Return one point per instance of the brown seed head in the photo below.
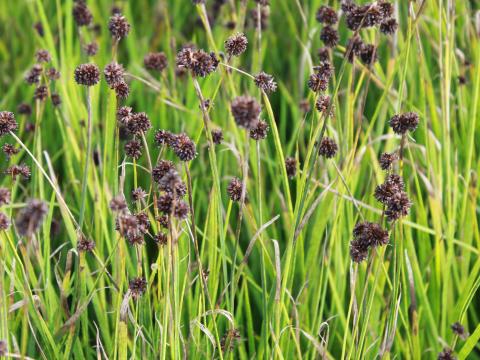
(155, 61)
(81, 14)
(328, 147)
(234, 189)
(329, 36)
(184, 147)
(245, 110)
(87, 74)
(236, 44)
(118, 26)
(259, 132)
(31, 217)
(114, 73)
(7, 122)
(137, 287)
(402, 123)
(43, 56)
(265, 82)
(291, 167)
(133, 149)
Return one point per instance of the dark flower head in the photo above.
(234, 189)
(133, 227)
(87, 74)
(133, 149)
(398, 205)
(265, 82)
(137, 287)
(138, 123)
(358, 252)
(184, 147)
(4, 221)
(56, 99)
(317, 82)
(392, 185)
(155, 61)
(7, 122)
(181, 210)
(172, 183)
(236, 44)
(84, 244)
(217, 136)
(118, 26)
(39, 28)
(328, 147)
(386, 160)
(18, 170)
(291, 167)
(113, 74)
(329, 36)
(43, 56)
(164, 137)
(34, 74)
(118, 203)
(365, 16)
(81, 14)
(163, 220)
(31, 217)
(124, 114)
(122, 90)
(4, 196)
(385, 8)
(368, 54)
(245, 110)
(24, 109)
(91, 49)
(162, 167)
(323, 104)
(198, 62)
(138, 194)
(326, 15)
(402, 123)
(324, 54)
(161, 239)
(53, 74)
(164, 203)
(446, 354)
(229, 340)
(459, 330)
(259, 132)
(366, 235)
(354, 48)
(389, 26)
(40, 93)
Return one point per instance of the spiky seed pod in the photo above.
(386, 160)
(184, 147)
(118, 203)
(259, 132)
(368, 54)
(87, 74)
(84, 244)
(198, 62)
(7, 122)
(118, 26)
(326, 15)
(18, 170)
(39, 28)
(392, 185)
(113, 73)
(156, 61)
(164, 203)
(53, 74)
(24, 109)
(245, 110)
(181, 210)
(138, 194)
(459, 330)
(133, 149)
(31, 217)
(128, 227)
(172, 183)
(323, 54)
(236, 44)
(323, 104)
(137, 287)
(43, 55)
(365, 236)
(398, 205)
(81, 14)
(389, 26)
(385, 8)
(401, 123)
(265, 82)
(124, 114)
(34, 74)
(164, 137)
(446, 354)
(317, 82)
(354, 48)
(234, 189)
(143, 222)
(362, 16)
(291, 167)
(161, 239)
(4, 196)
(40, 93)
(329, 36)
(138, 123)
(217, 136)
(91, 49)
(358, 252)
(229, 340)
(162, 167)
(4, 221)
(163, 220)
(122, 90)
(56, 99)
(328, 147)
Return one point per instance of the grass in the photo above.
(281, 283)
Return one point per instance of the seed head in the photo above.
(184, 147)
(155, 61)
(328, 147)
(118, 26)
(24, 109)
(402, 123)
(181, 210)
(18, 170)
(236, 44)
(34, 74)
(56, 99)
(124, 114)
(392, 185)
(137, 287)
(4, 196)
(323, 104)
(163, 221)
(161, 239)
(164, 137)
(265, 82)
(354, 48)
(81, 14)
(217, 136)
(291, 167)
(317, 82)
(87, 74)
(389, 26)
(113, 74)
(234, 189)
(164, 203)
(366, 235)
(118, 203)
(398, 205)
(31, 217)
(43, 56)
(245, 110)
(39, 28)
(229, 340)
(324, 54)
(387, 159)
(4, 221)
(40, 93)
(84, 244)
(459, 330)
(198, 62)
(358, 253)
(259, 132)
(133, 149)
(138, 194)
(122, 90)
(368, 54)
(91, 49)
(172, 183)
(138, 123)
(446, 354)
(365, 16)
(329, 36)
(162, 167)
(7, 122)
(53, 74)
(327, 15)
(385, 8)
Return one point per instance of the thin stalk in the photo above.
(87, 160)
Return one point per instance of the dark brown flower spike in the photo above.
(84, 244)
(7, 122)
(122, 90)
(40, 93)
(43, 56)
(234, 189)
(56, 99)
(326, 15)
(329, 36)
(402, 123)
(217, 136)
(34, 74)
(118, 203)
(245, 110)
(156, 61)
(5, 196)
(81, 14)
(4, 221)
(236, 44)
(31, 217)
(184, 147)
(389, 26)
(259, 132)
(138, 194)
(53, 74)
(459, 330)
(133, 149)
(328, 148)
(265, 82)
(137, 287)
(164, 137)
(291, 167)
(91, 49)
(162, 167)
(24, 109)
(198, 62)
(18, 170)
(118, 26)
(386, 160)
(114, 73)
(87, 74)
(181, 210)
